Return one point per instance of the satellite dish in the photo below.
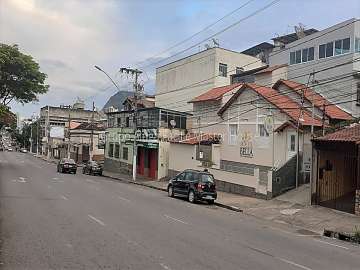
(172, 123)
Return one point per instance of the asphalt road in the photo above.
(60, 221)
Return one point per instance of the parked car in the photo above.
(195, 185)
(23, 150)
(9, 149)
(92, 167)
(67, 165)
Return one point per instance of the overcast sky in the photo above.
(69, 37)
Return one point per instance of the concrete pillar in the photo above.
(357, 203)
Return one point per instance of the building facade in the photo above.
(182, 80)
(155, 127)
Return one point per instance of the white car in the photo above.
(23, 150)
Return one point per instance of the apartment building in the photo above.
(332, 55)
(180, 81)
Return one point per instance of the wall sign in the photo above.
(246, 145)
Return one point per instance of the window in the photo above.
(111, 150)
(222, 70)
(305, 54)
(322, 51)
(357, 44)
(188, 176)
(125, 153)
(358, 94)
(239, 70)
(329, 49)
(298, 57)
(117, 151)
(127, 121)
(262, 131)
(233, 132)
(292, 58)
(311, 54)
(342, 46)
(292, 143)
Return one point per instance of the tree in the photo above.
(20, 77)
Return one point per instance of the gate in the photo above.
(337, 180)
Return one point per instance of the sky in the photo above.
(68, 37)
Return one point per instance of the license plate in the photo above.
(208, 197)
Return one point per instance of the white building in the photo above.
(182, 80)
(333, 54)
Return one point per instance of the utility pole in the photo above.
(92, 132)
(68, 144)
(48, 132)
(300, 118)
(137, 92)
(31, 136)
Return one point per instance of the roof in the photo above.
(90, 126)
(331, 110)
(193, 139)
(348, 134)
(145, 102)
(215, 93)
(286, 39)
(284, 103)
(271, 69)
(255, 50)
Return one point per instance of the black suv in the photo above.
(195, 185)
(92, 167)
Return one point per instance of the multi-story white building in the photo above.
(182, 80)
(333, 55)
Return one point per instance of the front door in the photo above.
(153, 158)
(291, 144)
(177, 183)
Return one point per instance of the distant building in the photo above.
(180, 81)
(57, 118)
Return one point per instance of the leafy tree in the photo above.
(20, 77)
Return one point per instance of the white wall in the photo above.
(181, 81)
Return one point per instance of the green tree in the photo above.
(20, 77)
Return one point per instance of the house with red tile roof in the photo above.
(336, 170)
(322, 106)
(260, 129)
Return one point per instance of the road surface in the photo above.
(60, 221)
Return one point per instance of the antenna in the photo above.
(216, 42)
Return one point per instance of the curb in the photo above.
(347, 237)
(229, 207)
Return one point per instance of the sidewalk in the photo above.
(284, 209)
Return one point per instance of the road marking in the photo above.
(294, 264)
(69, 245)
(97, 220)
(175, 219)
(124, 199)
(330, 244)
(64, 198)
(55, 178)
(22, 180)
(163, 265)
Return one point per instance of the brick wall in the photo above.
(357, 203)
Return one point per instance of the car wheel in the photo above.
(191, 196)
(210, 202)
(170, 191)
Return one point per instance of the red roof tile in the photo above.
(282, 102)
(215, 93)
(349, 134)
(332, 111)
(271, 69)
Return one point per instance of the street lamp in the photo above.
(103, 71)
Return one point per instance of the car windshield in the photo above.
(207, 178)
(69, 161)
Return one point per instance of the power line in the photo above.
(199, 32)
(217, 33)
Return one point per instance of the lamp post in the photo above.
(107, 75)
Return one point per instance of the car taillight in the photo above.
(200, 187)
